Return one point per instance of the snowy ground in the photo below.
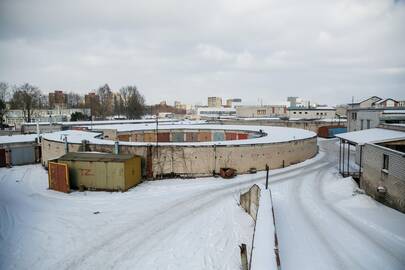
(196, 224)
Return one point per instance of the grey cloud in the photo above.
(323, 50)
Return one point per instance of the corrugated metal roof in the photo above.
(91, 156)
(373, 135)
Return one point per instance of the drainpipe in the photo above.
(37, 131)
(66, 144)
(116, 148)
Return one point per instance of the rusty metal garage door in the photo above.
(58, 177)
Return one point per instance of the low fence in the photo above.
(257, 202)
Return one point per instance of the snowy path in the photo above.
(321, 225)
(196, 224)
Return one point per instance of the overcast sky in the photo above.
(325, 51)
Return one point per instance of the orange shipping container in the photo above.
(204, 136)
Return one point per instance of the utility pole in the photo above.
(267, 176)
(157, 134)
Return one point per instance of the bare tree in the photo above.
(27, 98)
(74, 100)
(4, 88)
(133, 102)
(106, 100)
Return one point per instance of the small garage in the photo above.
(100, 171)
(19, 150)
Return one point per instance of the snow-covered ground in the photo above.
(196, 224)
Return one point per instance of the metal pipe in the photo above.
(66, 144)
(340, 155)
(361, 157)
(348, 159)
(343, 159)
(116, 147)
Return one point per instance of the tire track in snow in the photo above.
(122, 236)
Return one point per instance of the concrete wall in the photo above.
(393, 179)
(203, 160)
(249, 201)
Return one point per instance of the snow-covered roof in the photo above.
(71, 135)
(23, 138)
(394, 111)
(372, 135)
(273, 135)
(106, 122)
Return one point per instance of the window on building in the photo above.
(261, 112)
(386, 161)
(361, 124)
(300, 112)
(354, 116)
(306, 112)
(368, 124)
(317, 113)
(295, 112)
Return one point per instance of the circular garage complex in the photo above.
(189, 150)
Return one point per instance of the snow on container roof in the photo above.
(23, 138)
(371, 135)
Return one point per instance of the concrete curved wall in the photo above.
(199, 160)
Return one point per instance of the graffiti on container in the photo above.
(86, 172)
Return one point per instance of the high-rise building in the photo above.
(215, 102)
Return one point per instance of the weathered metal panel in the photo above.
(178, 136)
(218, 136)
(137, 137)
(149, 137)
(132, 171)
(192, 136)
(323, 132)
(204, 136)
(230, 136)
(58, 177)
(242, 136)
(124, 137)
(2, 157)
(330, 131)
(104, 175)
(23, 155)
(334, 131)
(163, 137)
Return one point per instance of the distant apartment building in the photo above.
(312, 113)
(374, 111)
(297, 102)
(261, 111)
(233, 102)
(90, 99)
(215, 112)
(214, 102)
(16, 117)
(57, 99)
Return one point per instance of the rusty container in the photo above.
(163, 136)
(242, 136)
(192, 136)
(204, 136)
(123, 137)
(101, 171)
(178, 136)
(229, 136)
(149, 137)
(227, 172)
